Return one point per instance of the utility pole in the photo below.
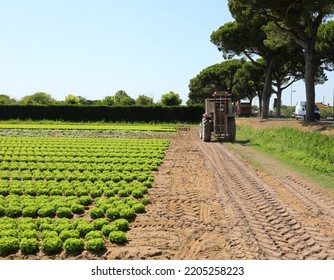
(291, 100)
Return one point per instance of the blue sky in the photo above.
(94, 48)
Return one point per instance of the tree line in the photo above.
(269, 46)
(120, 98)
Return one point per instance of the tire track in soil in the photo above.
(312, 205)
(278, 231)
(207, 203)
(184, 220)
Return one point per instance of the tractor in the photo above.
(218, 119)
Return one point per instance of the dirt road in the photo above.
(209, 203)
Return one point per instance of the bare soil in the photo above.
(210, 203)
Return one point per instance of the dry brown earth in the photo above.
(209, 203)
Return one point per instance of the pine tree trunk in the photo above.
(279, 103)
(310, 72)
(267, 90)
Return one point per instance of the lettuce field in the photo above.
(86, 126)
(72, 194)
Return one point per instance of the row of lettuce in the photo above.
(59, 125)
(72, 194)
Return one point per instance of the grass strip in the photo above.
(308, 152)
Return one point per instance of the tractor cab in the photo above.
(218, 119)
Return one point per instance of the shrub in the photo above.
(117, 237)
(95, 245)
(96, 213)
(29, 245)
(74, 245)
(52, 245)
(9, 245)
(64, 212)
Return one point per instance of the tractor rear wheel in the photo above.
(206, 130)
(231, 129)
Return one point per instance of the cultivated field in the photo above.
(70, 194)
(194, 200)
(209, 202)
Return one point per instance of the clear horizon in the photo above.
(93, 49)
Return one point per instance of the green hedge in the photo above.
(75, 113)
